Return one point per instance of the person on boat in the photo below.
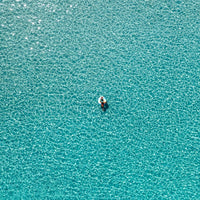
(102, 101)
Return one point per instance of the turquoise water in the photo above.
(58, 57)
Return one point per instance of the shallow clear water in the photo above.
(58, 57)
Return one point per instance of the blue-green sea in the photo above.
(58, 57)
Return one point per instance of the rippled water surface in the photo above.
(58, 57)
